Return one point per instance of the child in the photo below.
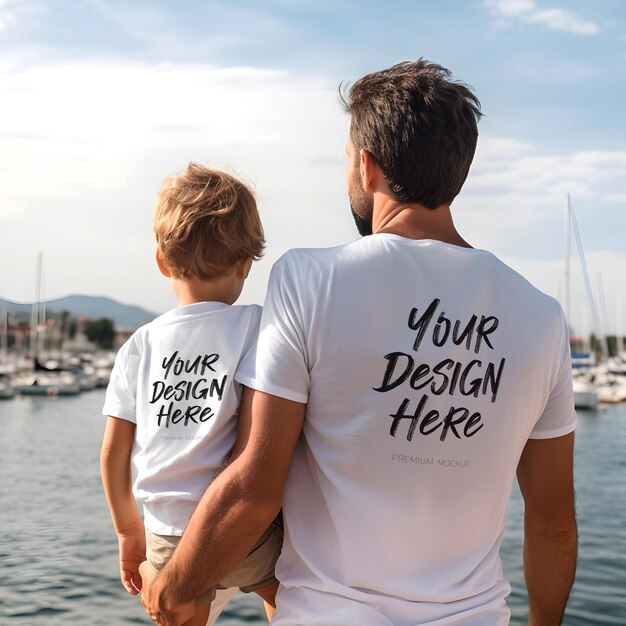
(172, 400)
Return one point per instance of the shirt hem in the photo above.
(114, 410)
(274, 390)
(555, 432)
(154, 525)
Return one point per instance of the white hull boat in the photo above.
(585, 395)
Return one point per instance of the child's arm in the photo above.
(115, 466)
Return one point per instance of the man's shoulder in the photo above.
(318, 257)
(314, 253)
(513, 280)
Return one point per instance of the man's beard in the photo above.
(361, 205)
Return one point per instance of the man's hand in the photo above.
(132, 549)
(158, 605)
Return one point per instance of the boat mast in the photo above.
(583, 264)
(4, 333)
(36, 312)
(619, 326)
(604, 330)
(568, 256)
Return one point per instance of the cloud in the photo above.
(4, 15)
(513, 204)
(517, 177)
(85, 144)
(512, 8)
(527, 11)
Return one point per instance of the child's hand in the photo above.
(132, 545)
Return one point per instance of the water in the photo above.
(58, 554)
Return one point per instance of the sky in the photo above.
(100, 99)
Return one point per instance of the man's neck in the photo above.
(415, 221)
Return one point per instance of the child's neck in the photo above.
(190, 291)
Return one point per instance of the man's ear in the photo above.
(369, 170)
(162, 267)
(243, 268)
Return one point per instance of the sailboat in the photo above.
(44, 381)
(585, 391)
(6, 388)
(610, 375)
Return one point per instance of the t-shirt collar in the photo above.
(197, 308)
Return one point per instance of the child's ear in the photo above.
(162, 268)
(244, 268)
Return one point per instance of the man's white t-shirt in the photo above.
(425, 368)
(175, 379)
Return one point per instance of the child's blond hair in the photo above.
(205, 222)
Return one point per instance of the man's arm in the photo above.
(236, 508)
(545, 476)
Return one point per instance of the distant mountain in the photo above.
(123, 315)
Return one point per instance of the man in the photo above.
(401, 381)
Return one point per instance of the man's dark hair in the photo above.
(419, 126)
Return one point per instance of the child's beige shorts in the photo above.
(254, 572)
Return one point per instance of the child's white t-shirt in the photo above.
(174, 378)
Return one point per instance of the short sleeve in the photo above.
(121, 395)
(246, 367)
(559, 416)
(278, 366)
